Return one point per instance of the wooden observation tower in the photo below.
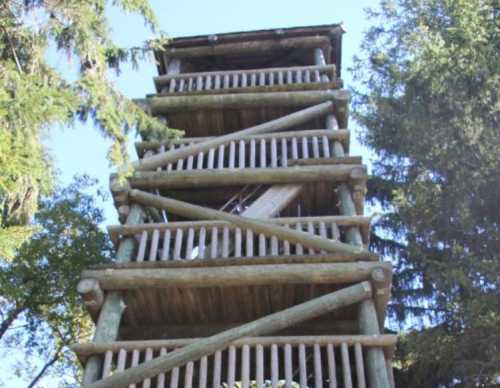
(242, 259)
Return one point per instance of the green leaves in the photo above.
(428, 100)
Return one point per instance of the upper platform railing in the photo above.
(282, 78)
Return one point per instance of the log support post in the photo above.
(92, 295)
(108, 323)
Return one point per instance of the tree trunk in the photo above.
(49, 363)
(11, 317)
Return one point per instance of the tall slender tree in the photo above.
(427, 97)
(35, 96)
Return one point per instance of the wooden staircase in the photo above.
(252, 225)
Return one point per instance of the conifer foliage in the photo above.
(35, 96)
(427, 97)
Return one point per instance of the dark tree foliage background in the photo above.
(427, 98)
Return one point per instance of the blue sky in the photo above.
(81, 149)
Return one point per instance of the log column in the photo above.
(108, 323)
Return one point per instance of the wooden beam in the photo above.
(382, 340)
(245, 176)
(268, 324)
(108, 323)
(252, 47)
(243, 275)
(284, 122)
(159, 105)
(259, 226)
(92, 295)
(327, 161)
(274, 200)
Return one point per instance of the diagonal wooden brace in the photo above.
(259, 226)
(265, 325)
(287, 121)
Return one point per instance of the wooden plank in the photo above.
(302, 366)
(332, 373)
(274, 366)
(346, 366)
(318, 373)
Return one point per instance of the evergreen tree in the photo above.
(427, 97)
(34, 96)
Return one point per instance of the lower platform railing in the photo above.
(299, 361)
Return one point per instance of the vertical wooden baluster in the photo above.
(288, 366)
(165, 253)
(225, 241)
(241, 152)
(244, 80)
(295, 149)
(284, 153)
(235, 80)
(315, 147)
(259, 368)
(190, 84)
(335, 231)
(271, 78)
(141, 252)
(310, 230)
(274, 153)
(317, 76)
(305, 148)
(302, 366)
(107, 364)
(289, 77)
(213, 243)
(153, 251)
(280, 78)
(323, 233)
(332, 374)
(208, 82)
(307, 77)
(170, 166)
(190, 161)
(180, 163)
(262, 153)
(172, 85)
(274, 246)
(249, 243)
(231, 368)
(199, 161)
(182, 84)
(226, 81)
(217, 81)
(161, 377)
(148, 357)
(245, 366)
(211, 157)
(217, 369)
(220, 161)
(252, 153)
(299, 250)
(253, 79)
(262, 245)
(122, 360)
(262, 78)
(360, 368)
(298, 76)
(318, 373)
(135, 361)
(202, 381)
(201, 242)
(199, 83)
(326, 147)
(274, 366)
(174, 378)
(189, 244)
(237, 243)
(188, 375)
(232, 154)
(346, 366)
(178, 244)
(160, 151)
(286, 244)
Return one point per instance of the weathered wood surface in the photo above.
(270, 126)
(193, 211)
(92, 295)
(265, 325)
(265, 274)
